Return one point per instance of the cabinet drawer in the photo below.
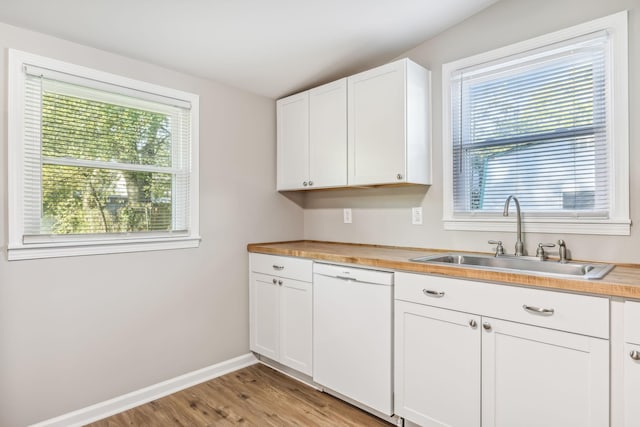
(282, 266)
(454, 294)
(632, 322)
(582, 314)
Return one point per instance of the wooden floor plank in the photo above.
(253, 396)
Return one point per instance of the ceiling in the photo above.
(269, 47)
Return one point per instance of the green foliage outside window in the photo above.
(98, 198)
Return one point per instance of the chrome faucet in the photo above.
(519, 244)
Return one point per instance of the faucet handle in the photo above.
(499, 247)
(540, 252)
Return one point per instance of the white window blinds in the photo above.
(533, 125)
(101, 159)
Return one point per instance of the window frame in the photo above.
(618, 222)
(94, 244)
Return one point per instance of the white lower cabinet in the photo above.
(454, 368)
(437, 385)
(265, 316)
(632, 385)
(533, 376)
(281, 310)
(631, 364)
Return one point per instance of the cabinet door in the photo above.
(295, 324)
(376, 131)
(264, 315)
(631, 386)
(437, 366)
(328, 135)
(532, 376)
(293, 141)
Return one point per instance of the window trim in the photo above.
(619, 222)
(77, 245)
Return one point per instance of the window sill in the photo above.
(80, 248)
(609, 227)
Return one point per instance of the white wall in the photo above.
(77, 331)
(383, 216)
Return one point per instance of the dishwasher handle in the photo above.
(353, 274)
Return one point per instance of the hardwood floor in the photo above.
(253, 396)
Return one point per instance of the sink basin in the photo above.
(529, 265)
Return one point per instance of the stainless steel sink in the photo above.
(529, 265)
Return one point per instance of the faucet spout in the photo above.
(519, 244)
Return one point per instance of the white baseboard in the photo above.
(130, 400)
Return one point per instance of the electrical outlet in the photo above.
(416, 216)
(346, 213)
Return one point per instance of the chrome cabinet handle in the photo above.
(539, 310)
(473, 323)
(310, 183)
(275, 281)
(278, 267)
(399, 176)
(280, 282)
(635, 355)
(304, 184)
(429, 292)
(486, 326)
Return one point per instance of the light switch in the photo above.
(416, 215)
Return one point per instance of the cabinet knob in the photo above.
(304, 184)
(399, 176)
(280, 282)
(275, 281)
(310, 183)
(473, 323)
(635, 355)
(486, 326)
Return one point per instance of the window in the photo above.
(545, 120)
(98, 163)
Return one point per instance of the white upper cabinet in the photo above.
(312, 138)
(369, 129)
(293, 141)
(388, 131)
(328, 135)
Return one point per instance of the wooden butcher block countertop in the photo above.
(622, 281)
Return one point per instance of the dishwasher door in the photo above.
(352, 338)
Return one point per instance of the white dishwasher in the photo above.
(352, 341)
